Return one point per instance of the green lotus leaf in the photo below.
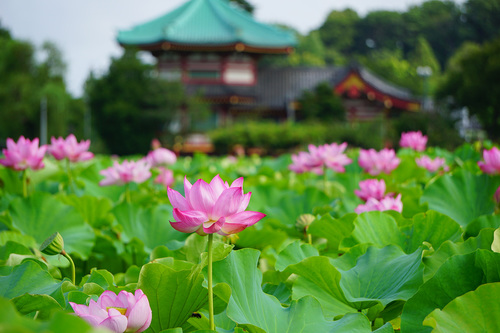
(482, 222)
(150, 225)
(41, 215)
(457, 276)
(431, 227)
(95, 211)
(377, 228)
(317, 277)
(294, 253)
(28, 280)
(462, 196)
(467, 313)
(382, 276)
(334, 230)
(256, 311)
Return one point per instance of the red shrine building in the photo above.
(214, 47)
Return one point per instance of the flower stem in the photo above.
(71, 183)
(210, 290)
(127, 193)
(72, 265)
(25, 183)
(309, 238)
(325, 180)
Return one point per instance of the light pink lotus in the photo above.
(70, 148)
(165, 178)
(413, 140)
(334, 157)
(328, 155)
(126, 172)
(374, 162)
(432, 165)
(125, 312)
(491, 164)
(387, 203)
(212, 208)
(371, 188)
(301, 163)
(161, 157)
(23, 154)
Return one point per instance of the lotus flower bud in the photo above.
(304, 221)
(53, 245)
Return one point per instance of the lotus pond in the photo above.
(316, 248)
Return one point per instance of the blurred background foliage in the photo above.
(130, 104)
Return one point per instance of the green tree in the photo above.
(130, 106)
(339, 30)
(483, 18)
(471, 79)
(23, 85)
(321, 104)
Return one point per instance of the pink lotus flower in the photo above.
(212, 208)
(387, 203)
(165, 178)
(334, 157)
(128, 171)
(69, 148)
(430, 164)
(301, 164)
(161, 157)
(329, 155)
(374, 162)
(491, 164)
(371, 188)
(413, 140)
(119, 313)
(23, 154)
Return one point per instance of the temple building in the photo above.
(214, 47)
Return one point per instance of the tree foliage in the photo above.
(321, 104)
(25, 81)
(472, 81)
(129, 105)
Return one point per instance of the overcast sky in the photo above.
(85, 31)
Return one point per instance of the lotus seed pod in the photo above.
(304, 221)
(53, 245)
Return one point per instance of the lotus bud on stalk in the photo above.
(302, 224)
(54, 245)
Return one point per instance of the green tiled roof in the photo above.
(207, 23)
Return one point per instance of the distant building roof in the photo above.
(208, 23)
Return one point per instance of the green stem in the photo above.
(71, 183)
(309, 238)
(25, 183)
(127, 193)
(325, 179)
(72, 266)
(210, 290)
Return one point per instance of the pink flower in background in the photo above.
(491, 164)
(387, 203)
(334, 157)
(300, 164)
(119, 313)
(70, 148)
(413, 140)
(329, 155)
(374, 162)
(212, 208)
(128, 171)
(165, 178)
(161, 157)
(432, 165)
(23, 154)
(371, 188)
